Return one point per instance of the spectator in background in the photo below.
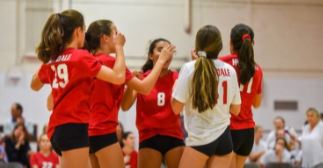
(321, 116)
(45, 157)
(259, 146)
(129, 152)
(3, 156)
(17, 145)
(16, 118)
(312, 139)
(281, 130)
(280, 153)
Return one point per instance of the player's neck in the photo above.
(45, 152)
(73, 44)
(164, 72)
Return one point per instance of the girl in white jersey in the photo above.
(208, 91)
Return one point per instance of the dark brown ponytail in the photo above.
(242, 40)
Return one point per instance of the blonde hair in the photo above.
(314, 111)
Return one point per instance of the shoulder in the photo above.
(221, 64)
(174, 74)
(188, 66)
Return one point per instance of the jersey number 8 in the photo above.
(161, 99)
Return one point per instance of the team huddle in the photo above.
(214, 94)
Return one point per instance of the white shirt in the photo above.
(270, 157)
(312, 145)
(205, 127)
(261, 147)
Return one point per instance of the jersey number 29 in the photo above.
(61, 76)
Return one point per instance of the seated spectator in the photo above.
(129, 152)
(3, 155)
(279, 154)
(312, 139)
(45, 157)
(16, 118)
(281, 130)
(17, 146)
(259, 146)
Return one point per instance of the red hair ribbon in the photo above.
(246, 36)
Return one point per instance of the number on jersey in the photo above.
(161, 99)
(249, 85)
(61, 76)
(47, 165)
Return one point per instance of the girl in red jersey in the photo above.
(160, 133)
(70, 71)
(45, 157)
(250, 81)
(207, 91)
(130, 155)
(106, 97)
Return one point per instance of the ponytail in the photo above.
(242, 41)
(57, 32)
(204, 84)
(246, 60)
(51, 40)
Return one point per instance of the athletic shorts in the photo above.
(102, 141)
(70, 136)
(243, 141)
(161, 143)
(220, 146)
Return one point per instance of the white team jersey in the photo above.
(205, 127)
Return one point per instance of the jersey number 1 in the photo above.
(61, 76)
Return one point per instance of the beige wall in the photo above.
(288, 32)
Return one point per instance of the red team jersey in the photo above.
(70, 77)
(105, 101)
(248, 91)
(154, 113)
(41, 161)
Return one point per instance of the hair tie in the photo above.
(246, 36)
(202, 54)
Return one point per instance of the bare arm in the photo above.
(235, 109)
(50, 102)
(257, 101)
(116, 75)
(146, 85)
(36, 84)
(177, 106)
(128, 99)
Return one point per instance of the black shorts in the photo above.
(70, 136)
(243, 141)
(102, 141)
(220, 146)
(161, 143)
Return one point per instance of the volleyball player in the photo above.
(106, 97)
(160, 134)
(250, 80)
(208, 91)
(70, 71)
